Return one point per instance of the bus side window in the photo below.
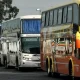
(69, 46)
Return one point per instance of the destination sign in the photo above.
(31, 39)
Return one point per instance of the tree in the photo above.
(13, 11)
(7, 11)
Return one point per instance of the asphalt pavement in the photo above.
(26, 74)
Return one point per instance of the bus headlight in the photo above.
(25, 58)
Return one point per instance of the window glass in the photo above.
(75, 14)
(59, 16)
(31, 26)
(69, 46)
(69, 17)
(30, 45)
(64, 14)
(51, 18)
(47, 18)
(55, 16)
(61, 40)
(43, 19)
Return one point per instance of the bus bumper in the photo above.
(30, 64)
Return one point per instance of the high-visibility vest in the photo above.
(78, 40)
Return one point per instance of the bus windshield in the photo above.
(30, 45)
(31, 26)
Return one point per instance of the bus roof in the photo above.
(25, 17)
(30, 16)
(76, 2)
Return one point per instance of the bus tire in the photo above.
(19, 68)
(54, 74)
(71, 77)
(48, 68)
(5, 64)
(17, 64)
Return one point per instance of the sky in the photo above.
(28, 7)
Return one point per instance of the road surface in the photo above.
(12, 74)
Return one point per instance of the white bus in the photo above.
(22, 40)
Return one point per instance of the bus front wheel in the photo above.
(48, 68)
(71, 77)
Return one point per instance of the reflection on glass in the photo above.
(31, 45)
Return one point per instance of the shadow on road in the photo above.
(62, 77)
(13, 69)
(31, 70)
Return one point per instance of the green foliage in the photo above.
(7, 11)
